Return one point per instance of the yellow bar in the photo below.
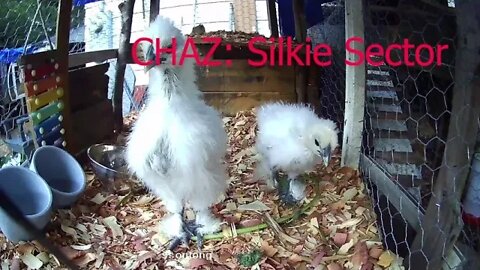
(43, 99)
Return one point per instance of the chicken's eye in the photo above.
(316, 143)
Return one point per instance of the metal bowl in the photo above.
(108, 161)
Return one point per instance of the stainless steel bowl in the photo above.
(108, 162)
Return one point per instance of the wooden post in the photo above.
(301, 80)
(63, 42)
(272, 18)
(154, 9)
(442, 223)
(126, 9)
(354, 88)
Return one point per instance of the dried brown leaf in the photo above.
(360, 254)
(250, 222)
(386, 259)
(85, 259)
(340, 238)
(195, 263)
(318, 258)
(334, 266)
(268, 250)
(375, 252)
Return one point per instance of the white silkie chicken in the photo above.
(178, 144)
(293, 139)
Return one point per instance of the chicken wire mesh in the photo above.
(27, 27)
(407, 116)
(407, 121)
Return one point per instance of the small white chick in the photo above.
(293, 139)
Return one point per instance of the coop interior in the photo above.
(401, 190)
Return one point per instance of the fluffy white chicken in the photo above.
(293, 139)
(178, 144)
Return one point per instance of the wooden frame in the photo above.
(354, 88)
(63, 38)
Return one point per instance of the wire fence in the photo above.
(407, 121)
(406, 126)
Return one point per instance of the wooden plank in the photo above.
(154, 9)
(375, 173)
(83, 133)
(63, 37)
(88, 86)
(272, 17)
(126, 11)
(401, 169)
(43, 99)
(382, 95)
(301, 80)
(355, 88)
(443, 223)
(388, 83)
(385, 108)
(415, 158)
(384, 88)
(397, 145)
(389, 124)
(245, 79)
(241, 68)
(378, 72)
(231, 103)
(83, 58)
(386, 115)
(37, 58)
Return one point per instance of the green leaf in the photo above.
(250, 259)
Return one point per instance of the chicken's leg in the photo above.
(294, 192)
(174, 226)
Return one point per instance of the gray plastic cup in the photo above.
(62, 172)
(32, 196)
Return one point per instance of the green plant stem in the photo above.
(282, 220)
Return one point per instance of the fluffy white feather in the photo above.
(286, 141)
(178, 144)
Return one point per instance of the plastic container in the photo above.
(31, 194)
(62, 172)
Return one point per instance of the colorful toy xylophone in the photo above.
(44, 95)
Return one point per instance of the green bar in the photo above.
(45, 112)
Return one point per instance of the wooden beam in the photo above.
(272, 18)
(63, 38)
(443, 223)
(354, 88)
(83, 58)
(126, 9)
(301, 80)
(154, 9)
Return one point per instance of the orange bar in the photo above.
(37, 87)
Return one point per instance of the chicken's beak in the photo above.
(327, 153)
(150, 56)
